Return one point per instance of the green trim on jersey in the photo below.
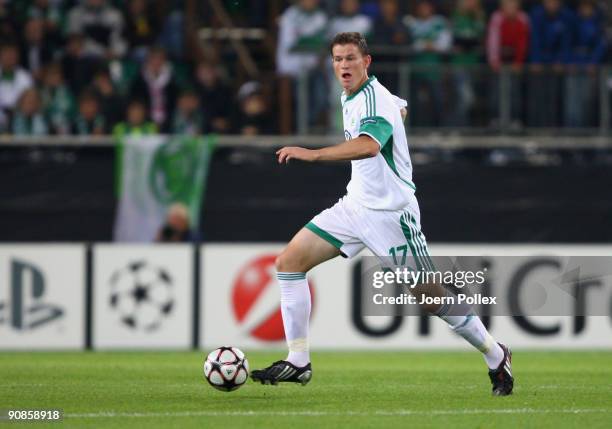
(361, 88)
(408, 234)
(378, 128)
(420, 241)
(324, 235)
(370, 97)
(416, 243)
(387, 153)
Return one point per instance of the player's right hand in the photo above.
(294, 152)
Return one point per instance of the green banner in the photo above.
(153, 173)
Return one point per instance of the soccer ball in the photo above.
(226, 368)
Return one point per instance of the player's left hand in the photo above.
(293, 152)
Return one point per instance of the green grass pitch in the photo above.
(348, 389)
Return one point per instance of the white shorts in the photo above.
(390, 234)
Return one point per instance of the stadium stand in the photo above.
(467, 64)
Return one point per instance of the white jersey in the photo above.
(383, 182)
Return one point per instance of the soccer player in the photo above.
(379, 211)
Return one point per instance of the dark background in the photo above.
(67, 194)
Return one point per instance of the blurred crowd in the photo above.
(98, 67)
(551, 50)
(95, 67)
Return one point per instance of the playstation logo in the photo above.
(25, 308)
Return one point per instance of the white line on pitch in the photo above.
(112, 414)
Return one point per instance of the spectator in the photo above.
(508, 36)
(35, 51)
(141, 27)
(551, 25)
(78, 67)
(389, 31)
(587, 53)
(349, 19)
(253, 116)
(431, 35)
(172, 37)
(468, 26)
(177, 227)
(188, 119)
(28, 119)
(89, 121)
(57, 100)
(301, 37)
(110, 100)
(507, 43)
(156, 85)
(136, 122)
(551, 32)
(50, 12)
(13, 81)
(431, 40)
(371, 8)
(211, 88)
(102, 27)
(301, 40)
(388, 28)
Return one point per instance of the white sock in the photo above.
(471, 328)
(464, 322)
(295, 307)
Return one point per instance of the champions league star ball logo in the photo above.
(142, 295)
(256, 300)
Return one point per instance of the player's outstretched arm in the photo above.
(359, 148)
